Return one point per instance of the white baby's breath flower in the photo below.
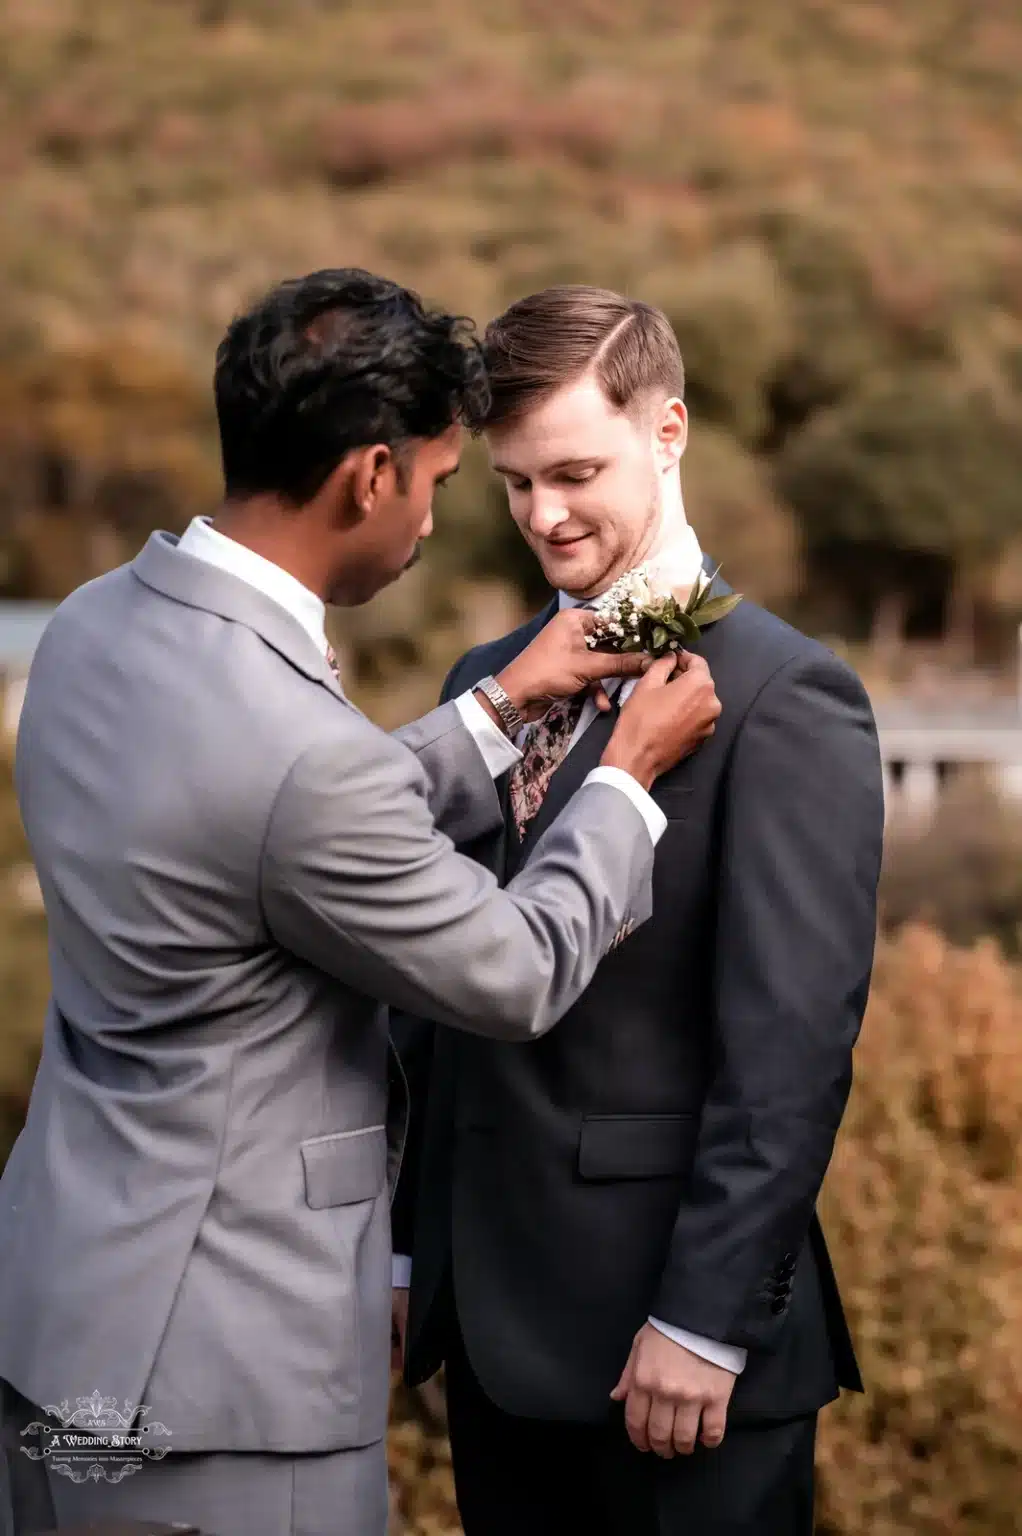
(640, 608)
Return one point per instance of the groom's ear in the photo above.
(671, 431)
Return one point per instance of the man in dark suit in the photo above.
(611, 1232)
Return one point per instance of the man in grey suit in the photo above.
(240, 871)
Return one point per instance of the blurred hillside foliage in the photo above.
(825, 197)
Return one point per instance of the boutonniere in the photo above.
(636, 615)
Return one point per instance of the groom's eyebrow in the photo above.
(551, 469)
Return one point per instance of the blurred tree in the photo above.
(841, 333)
(914, 479)
(730, 314)
(740, 521)
(100, 445)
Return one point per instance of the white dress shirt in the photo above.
(204, 542)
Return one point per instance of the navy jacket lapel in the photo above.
(505, 852)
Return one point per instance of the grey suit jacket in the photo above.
(239, 872)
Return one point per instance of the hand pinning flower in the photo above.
(634, 615)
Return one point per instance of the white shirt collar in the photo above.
(204, 542)
(678, 564)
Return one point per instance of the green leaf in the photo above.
(699, 590)
(659, 637)
(690, 629)
(716, 609)
(633, 643)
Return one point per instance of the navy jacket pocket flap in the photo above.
(345, 1167)
(636, 1146)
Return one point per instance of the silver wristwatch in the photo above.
(510, 719)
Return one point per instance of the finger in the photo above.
(600, 696)
(686, 1427)
(620, 663)
(690, 661)
(714, 1424)
(637, 1418)
(623, 1387)
(659, 673)
(660, 1428)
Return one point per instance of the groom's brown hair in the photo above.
(557, 336)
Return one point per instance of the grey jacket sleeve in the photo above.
(460, 790)
(357, 880)
(796, 920)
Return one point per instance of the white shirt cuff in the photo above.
(499, 754)
(730, 1357)
(646, 806)
(401, 1271)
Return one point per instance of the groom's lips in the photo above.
(568, 543)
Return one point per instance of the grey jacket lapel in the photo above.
(161, 566)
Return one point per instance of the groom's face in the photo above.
(583, 485)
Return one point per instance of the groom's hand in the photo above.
(558, 664)
(671, 1396)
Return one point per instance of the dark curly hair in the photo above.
(335, 361)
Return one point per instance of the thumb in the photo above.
(660, 672)
(624, 1385)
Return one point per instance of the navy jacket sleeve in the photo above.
(796, 919)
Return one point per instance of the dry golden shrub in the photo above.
(924, 1213)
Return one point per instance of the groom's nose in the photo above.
(546, 513)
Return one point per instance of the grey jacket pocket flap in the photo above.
(636, 1146)
(345, 1167)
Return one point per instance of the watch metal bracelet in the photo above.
(509, 716)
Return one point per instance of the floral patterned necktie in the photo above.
(543, 750)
